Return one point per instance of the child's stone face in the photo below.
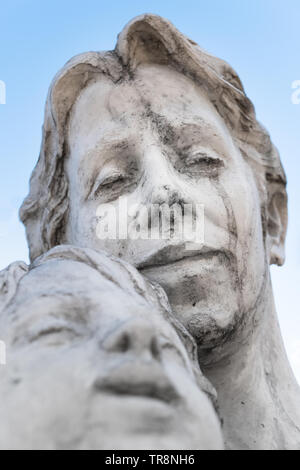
(93, 365)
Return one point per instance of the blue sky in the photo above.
(259, 38)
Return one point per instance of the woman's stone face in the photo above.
(153, 141)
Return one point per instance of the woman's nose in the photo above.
(162, 183)
(136, 337)
(166, 194)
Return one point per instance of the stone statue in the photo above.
(155, 123)
(98, 362)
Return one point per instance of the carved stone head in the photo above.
(160, 121)
(96, 361)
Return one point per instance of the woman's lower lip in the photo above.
(169, 263)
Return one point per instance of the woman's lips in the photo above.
(174, 253)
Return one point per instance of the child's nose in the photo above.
(137, 337)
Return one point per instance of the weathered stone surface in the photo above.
(158, 121)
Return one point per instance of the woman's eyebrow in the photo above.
(108, 148)
(205, 129)
(203, 133)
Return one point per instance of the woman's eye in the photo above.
(204, 159)
(111, 183)
(111, 179)
(107, 182)
(202, 163)
(201, 157)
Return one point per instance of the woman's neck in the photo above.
(259, 398)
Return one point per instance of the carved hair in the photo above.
(146, 39)
(9, 280)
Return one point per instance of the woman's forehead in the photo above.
(102, 105)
